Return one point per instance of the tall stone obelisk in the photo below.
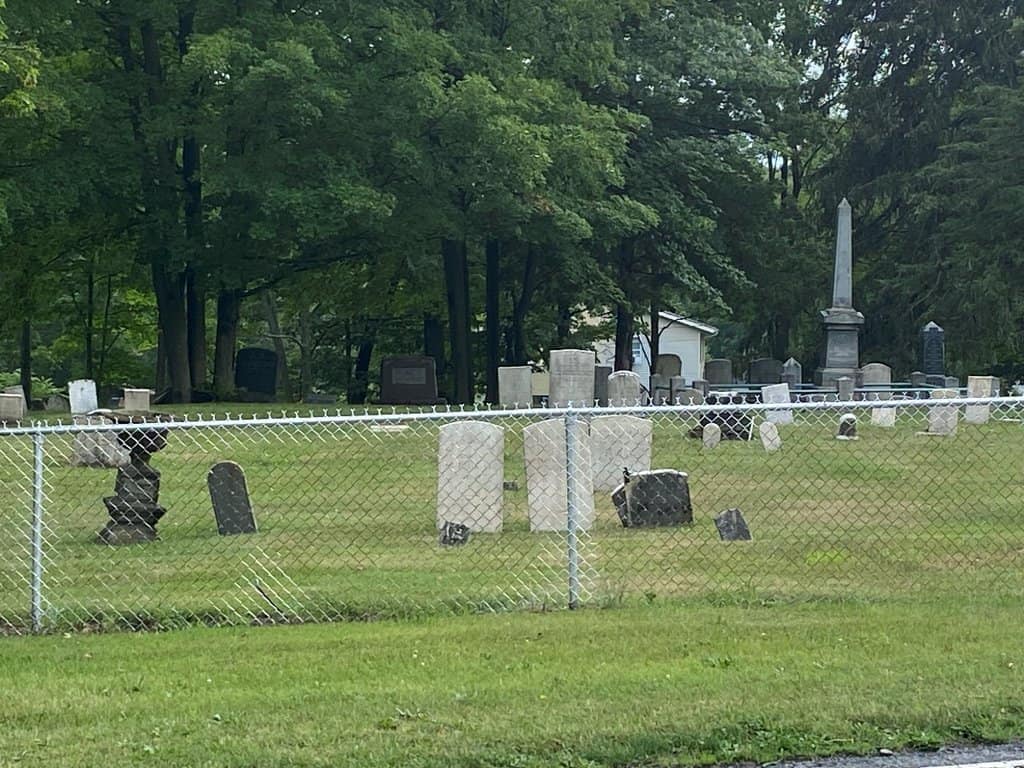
(842, 321)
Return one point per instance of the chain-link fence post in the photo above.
(37, 532)
(573, 493)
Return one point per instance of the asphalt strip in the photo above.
(990, 756)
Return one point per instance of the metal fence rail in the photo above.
(362, 516)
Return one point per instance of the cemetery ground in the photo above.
(877, 607)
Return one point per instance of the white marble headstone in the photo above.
(546, 484)
(470, 475)
(136, 400)
(617, 443)
(624, 389)
(980, 386)
(942, 420)
(775, 394)
(82, 394)
(770, 438)
(572, 378)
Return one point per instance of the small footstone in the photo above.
(732, 527)
(712, 435)
(770, 438)
(454, 534)
(847, 427)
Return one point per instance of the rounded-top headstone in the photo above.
(624, 388)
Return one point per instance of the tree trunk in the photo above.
(26, 361)
(522, 307)
(196, 308)
(229, 304)
(161, 364)
(493, 289)
(433, 346)
(90, 320)
(361, 377)
(274, 326)
(173, 320)
(780, 337)
(655, 333)
(305, 352)
(456, 277)
(623, 338)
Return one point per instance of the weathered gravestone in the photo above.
(82, 393)
(682, 395)
(918, 379)
(515, 386)
(408, 380)
(470, 475)
(229, 495)
(942, 419)
(847, 427)
(657, 498)
(19, 393)
(544, 448)
(980, 386)
(951, 382)
(601, 374)
(11, 408)
(883, 417)
(844, 386)
(933, 350)
(617, 443)
(97, 448)
(624, 389)
(669, 366)
(572, 378)
(136, 400)
(718, 371)
(540, 384)
(58, 402)
(732, 527)
(875, 374)
(256, 373)
(765, 370)
(711, 435)
(661, 389)
(734, 422)
(792, 373)
(770, 438)
(777, 394)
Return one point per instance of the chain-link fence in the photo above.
(326, 518)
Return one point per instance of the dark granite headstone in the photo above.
(732, 527)
(735, 424)
(601, 374)
(408, 380)
(765, 370)
(256, 371)
(933, 350)
(654, 498)
(935, 380)
(454, 534)
(230, 497)
(718, 371)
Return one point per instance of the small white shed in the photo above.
(680, 337)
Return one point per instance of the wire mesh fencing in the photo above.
(287, 520)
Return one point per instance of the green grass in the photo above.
(664, 685)
(347, 527)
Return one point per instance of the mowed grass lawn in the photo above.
(684, 683)
(347, 517)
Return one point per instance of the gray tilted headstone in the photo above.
(718, 371)
(844, 385)
(624, 389)
(942, 419)
(918, 379)
(99, 448)
(546, 483)
(470, 475)
(82, 394)
(792, 373)
(876, 374)
(515, 386)
(230, 496)
(657, 498)
(572, 378)
(933, 350)
(617, 443)
(777, 394)
(732, 527)
(11, 408)
(980, 386)
(765, 370)
(847, 427)
(601, 374)
(770, 438)
(711, 435)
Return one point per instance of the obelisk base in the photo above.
(842, 346)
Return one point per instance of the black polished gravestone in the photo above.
(408, 380)
(654, 498)
(732, 527)
(933, 350)
(256, 373)
(229, 495)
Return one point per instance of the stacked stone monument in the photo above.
(842, 322)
